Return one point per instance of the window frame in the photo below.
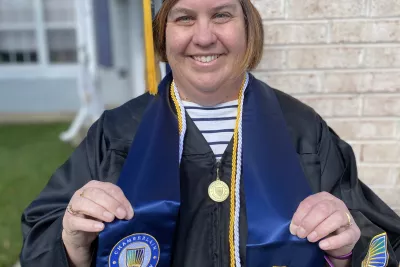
(43, 67)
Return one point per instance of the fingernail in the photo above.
(108, 215)
(98, 226)
(129, 214)
(312, 237)
(324, 244)
(301, 232)
(121, 213)
(293, 228)
(132, 212)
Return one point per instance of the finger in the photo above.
(318, 213)
(334, 222)
(101, 198)
(73, 224)
(90, 208)
(116, 193)
(305, 206)
(346, 238)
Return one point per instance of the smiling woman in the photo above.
(210, 45)
(216, 168)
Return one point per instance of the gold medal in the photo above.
(218, 191)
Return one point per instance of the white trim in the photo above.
(91, 104)
(90, 38)
(17, 27)
(43, 56)
(38, 71)
(60, 25)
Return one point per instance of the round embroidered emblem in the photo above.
(137, 250)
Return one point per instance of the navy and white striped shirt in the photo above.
(216, 123)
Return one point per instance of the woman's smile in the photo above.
(206, 61)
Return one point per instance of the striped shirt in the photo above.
(216, 123)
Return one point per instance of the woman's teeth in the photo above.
(206, 59)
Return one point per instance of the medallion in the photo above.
(218, 191)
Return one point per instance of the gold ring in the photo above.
(71, 210)
(350, 223)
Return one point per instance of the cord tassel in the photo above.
(151, 72)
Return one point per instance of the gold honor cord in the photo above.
(233, 180)
(178, 108)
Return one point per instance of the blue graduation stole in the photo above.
(274, 185)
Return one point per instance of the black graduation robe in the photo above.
(202, 237)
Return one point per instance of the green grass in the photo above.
(29, 154)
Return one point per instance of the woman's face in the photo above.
(205, 41)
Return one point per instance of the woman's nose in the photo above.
(204, 34)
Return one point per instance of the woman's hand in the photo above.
(89, 207)
(325, 219)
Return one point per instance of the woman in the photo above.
(217, 169)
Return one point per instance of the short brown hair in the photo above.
(253, 25)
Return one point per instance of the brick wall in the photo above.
(343, 58)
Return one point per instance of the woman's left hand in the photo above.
(325, 219)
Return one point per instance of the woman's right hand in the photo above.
(91, 206)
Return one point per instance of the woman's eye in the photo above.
(184, 19)
(222, 17)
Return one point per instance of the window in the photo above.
(62, 45)
(16, 11)
(60, 30)
(18, 47)
(37, 31)
(18, 43)
(59, 11)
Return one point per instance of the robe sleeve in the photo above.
(339, 177)
(42, 219)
